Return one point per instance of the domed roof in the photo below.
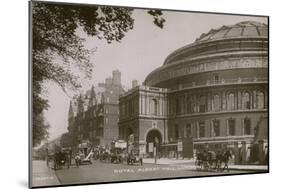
(241, 29)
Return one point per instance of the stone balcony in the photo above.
(221, 82)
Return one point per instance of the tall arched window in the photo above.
(216, 127)
(260, 100)
(247, 126)
(216, 78)
(178, 106)
(201, 129)
(246, 100)
(216, 103)
(230, 101)
(202, 104)
(154, 107)
(231, 127)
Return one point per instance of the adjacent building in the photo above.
(93, 117)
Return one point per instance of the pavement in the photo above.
(43, 175)
(190, 163)
(100, 172)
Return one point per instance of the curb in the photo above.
(231, 168)
(251, 169)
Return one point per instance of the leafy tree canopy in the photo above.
(54, 35)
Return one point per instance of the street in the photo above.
(108, 172)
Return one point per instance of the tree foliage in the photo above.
(57, 47)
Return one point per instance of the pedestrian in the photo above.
(77, 159)
(68, 159)
(227, 155)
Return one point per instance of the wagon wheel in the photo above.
(120, 159)
(209, 165)
(205, 165)
(198, 165)
(216, 166)
(54, 163)
(212, 165)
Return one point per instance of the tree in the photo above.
(56, 47)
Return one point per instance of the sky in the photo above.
(142, 50)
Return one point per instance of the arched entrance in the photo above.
(153, 136)
(129, 131)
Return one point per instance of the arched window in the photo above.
(216, 78)
(246, 100)
(260, 100)
(216, 127)
(231, 127)
(216, 103)
(247, 126)
(202, 104)
(230, 101)
(187, 130)
(201, 129)
(154, 107)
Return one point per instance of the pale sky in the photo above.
(142, 50)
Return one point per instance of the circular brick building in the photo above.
(217, 90)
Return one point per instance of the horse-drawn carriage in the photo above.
(133, 155)
(134, 158)
(60, 159)
(212, 161)
(118, 151)
(104, 156)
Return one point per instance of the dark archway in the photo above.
(153, 136)
(129, 131)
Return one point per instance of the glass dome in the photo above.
(241, 29)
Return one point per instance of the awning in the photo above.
(83, 145)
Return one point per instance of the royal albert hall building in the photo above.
(213, 91)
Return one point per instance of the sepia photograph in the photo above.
(122, 94)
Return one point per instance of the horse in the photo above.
(212, 159)
(205, 159)
(224, 158)
(200, 159)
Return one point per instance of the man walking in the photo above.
(77, 159)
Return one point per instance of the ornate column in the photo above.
(209, 97)
(261, 151)
(239, 100)
(147, 100)
(211, 134)
(197, 129)
(236, 153)
(140, 104)
(265, 99)
(166, 139)
(254, 99)
(244, 152)
(196, 103)
(223, 101)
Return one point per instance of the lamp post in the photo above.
(155, 149)
(47, 153)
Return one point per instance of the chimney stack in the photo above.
(134, 83)
(116, 77)
(108, 82)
